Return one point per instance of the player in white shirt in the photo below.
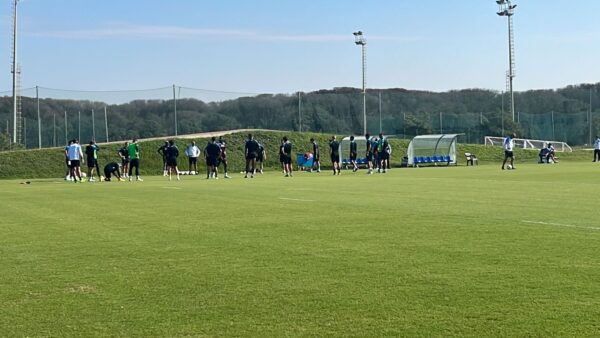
(76, 159)
(192, 152)
(509, 145)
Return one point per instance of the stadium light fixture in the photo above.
(507, 9)
(360, 40)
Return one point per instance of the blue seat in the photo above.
(428, 159)
(447, 159)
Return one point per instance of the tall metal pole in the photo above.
(590, 119)
(93, 127)
(441, 124)
(54, 130)
(79, 125)
(508, 9)
(299, 111)
(37, 96)
(360, 40)
(502, 114)
(66, 130)
(175, 109)
(106, 124)
(380, 126)
(14, 71)
(25, 132)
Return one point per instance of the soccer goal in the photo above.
(432, 150)
(528, 144)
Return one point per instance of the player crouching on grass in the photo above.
(112, 169)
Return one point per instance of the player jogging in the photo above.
(334, 151)
(171, 153)
(251, 153)
(509, 145)
(134, 154)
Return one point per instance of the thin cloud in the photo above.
(175, 32)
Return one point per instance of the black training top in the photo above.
(172, 152)
(353, 147)
(124, 152)
(213, 150)
(315, 149)
(335, 146)
(163, 150)
(287, 148)
(251, 146)
(111, 167)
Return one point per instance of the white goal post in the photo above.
(528, 144)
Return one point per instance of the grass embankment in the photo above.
(47, 163)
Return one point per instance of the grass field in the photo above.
(460, 251)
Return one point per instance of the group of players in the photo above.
(215, 153)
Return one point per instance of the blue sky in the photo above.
(285, 46)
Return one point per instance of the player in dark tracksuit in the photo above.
(286, 155)
(212, 152)
(369, 153)
(171, 155)
(334, 149)
(162, 150)
(111, 169)
(316, 155)
(353, 153)
(251, 153)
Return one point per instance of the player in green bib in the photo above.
(134, 154)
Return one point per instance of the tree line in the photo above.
(544, 114)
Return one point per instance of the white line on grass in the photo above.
(176, 188)
(562, 225)
(295, 199)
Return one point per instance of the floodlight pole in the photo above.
(14, 71)
(37, 96)
(360, 40)
(508, 9)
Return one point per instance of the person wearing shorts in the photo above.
(68, 176)
(134, 154)
(261, 157)
(286, 152)
(251, 153)
(509, 145)
(111, 169)
(192, 152)
(171, 154)
(124, 155)
(334, 151)
(353, 153)
(75, 159)
(383, 149)
(162, 150)
(223, 156)
(91, 152)
(212, 151)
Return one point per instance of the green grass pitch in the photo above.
(459, 251)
